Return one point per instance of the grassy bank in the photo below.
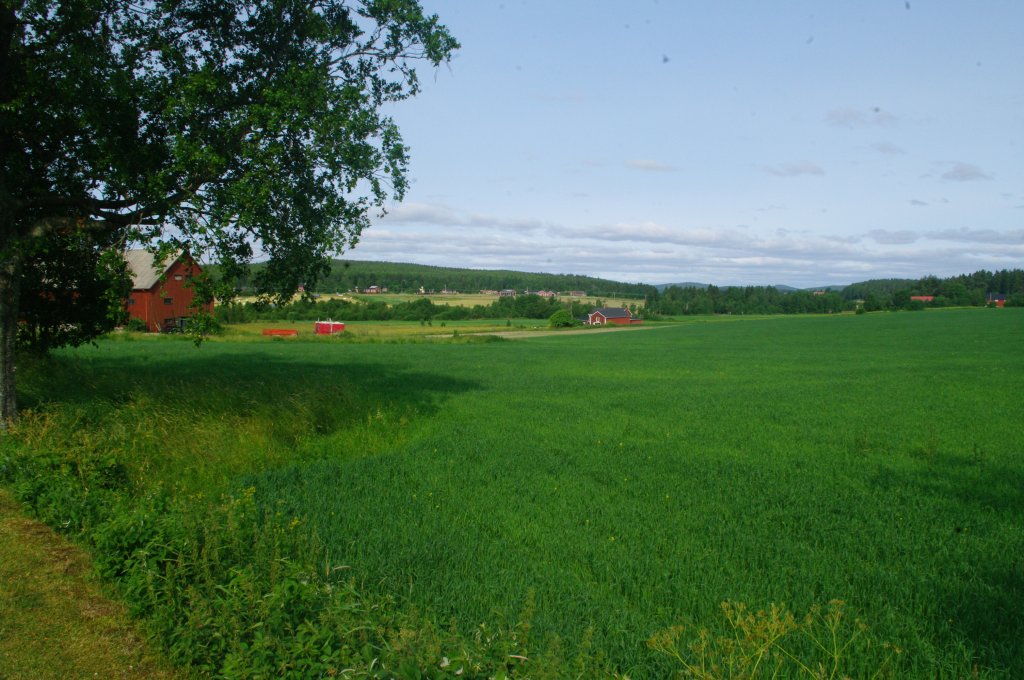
(54, 620)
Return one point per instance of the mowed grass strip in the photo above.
(54, 620)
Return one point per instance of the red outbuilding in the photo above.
(161, 296)
(328, 327)
(619, 316)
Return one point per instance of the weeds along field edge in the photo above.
(569, 500)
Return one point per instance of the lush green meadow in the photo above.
(602, 488)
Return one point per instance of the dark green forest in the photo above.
(348, 275)
(967, 290)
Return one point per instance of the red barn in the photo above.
(160, 295)
(619, 316)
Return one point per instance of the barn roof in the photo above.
(144, 274)
(612, 312)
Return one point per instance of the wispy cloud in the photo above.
(965, 172)
(892, 238)
(917, 202)
(887, 148)
(797, 169)
(440, 215)
(651, 232)
(853, 118)
(657, 252)
(965, 235)
(650, 166)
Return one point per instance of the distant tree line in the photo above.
(345, 275)
(965, 290)
(423, 309)
(676, 301)
(875, 295)
(970, 290)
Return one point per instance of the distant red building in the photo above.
(160, 295)
(619, 316)
(997, 300)
(328, 327)
(923, 298)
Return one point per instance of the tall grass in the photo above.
(613, 486)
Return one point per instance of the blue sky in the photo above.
(793, 142)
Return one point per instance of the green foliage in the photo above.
(73, 289)
(965, 290)
(562, 319)
(674, 301)
(136, 325)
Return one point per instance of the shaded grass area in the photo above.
(613, 485)
(54, 621)
(194, 419)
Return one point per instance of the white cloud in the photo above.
(650, 232)
(439, 215)
(893, 237)
(965, 172)
(853, 118)
(966, 235)
(887, 148)
(656, 252)
(797, 169)
(650, 165)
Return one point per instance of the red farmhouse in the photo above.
(160, 296)
(620, 316)
(997, 300)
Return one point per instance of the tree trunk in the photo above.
(9, 297)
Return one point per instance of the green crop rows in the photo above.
(610, 486)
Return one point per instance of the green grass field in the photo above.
(612, 485)
(379, 330)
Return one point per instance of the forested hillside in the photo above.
(963, 290)
(409, 278)
(967, 290)
(674, 301)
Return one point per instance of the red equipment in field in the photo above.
(329, 327)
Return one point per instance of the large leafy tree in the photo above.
(227, 127)
(72, 288)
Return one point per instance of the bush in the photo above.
(562, 319)
(136, 325)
